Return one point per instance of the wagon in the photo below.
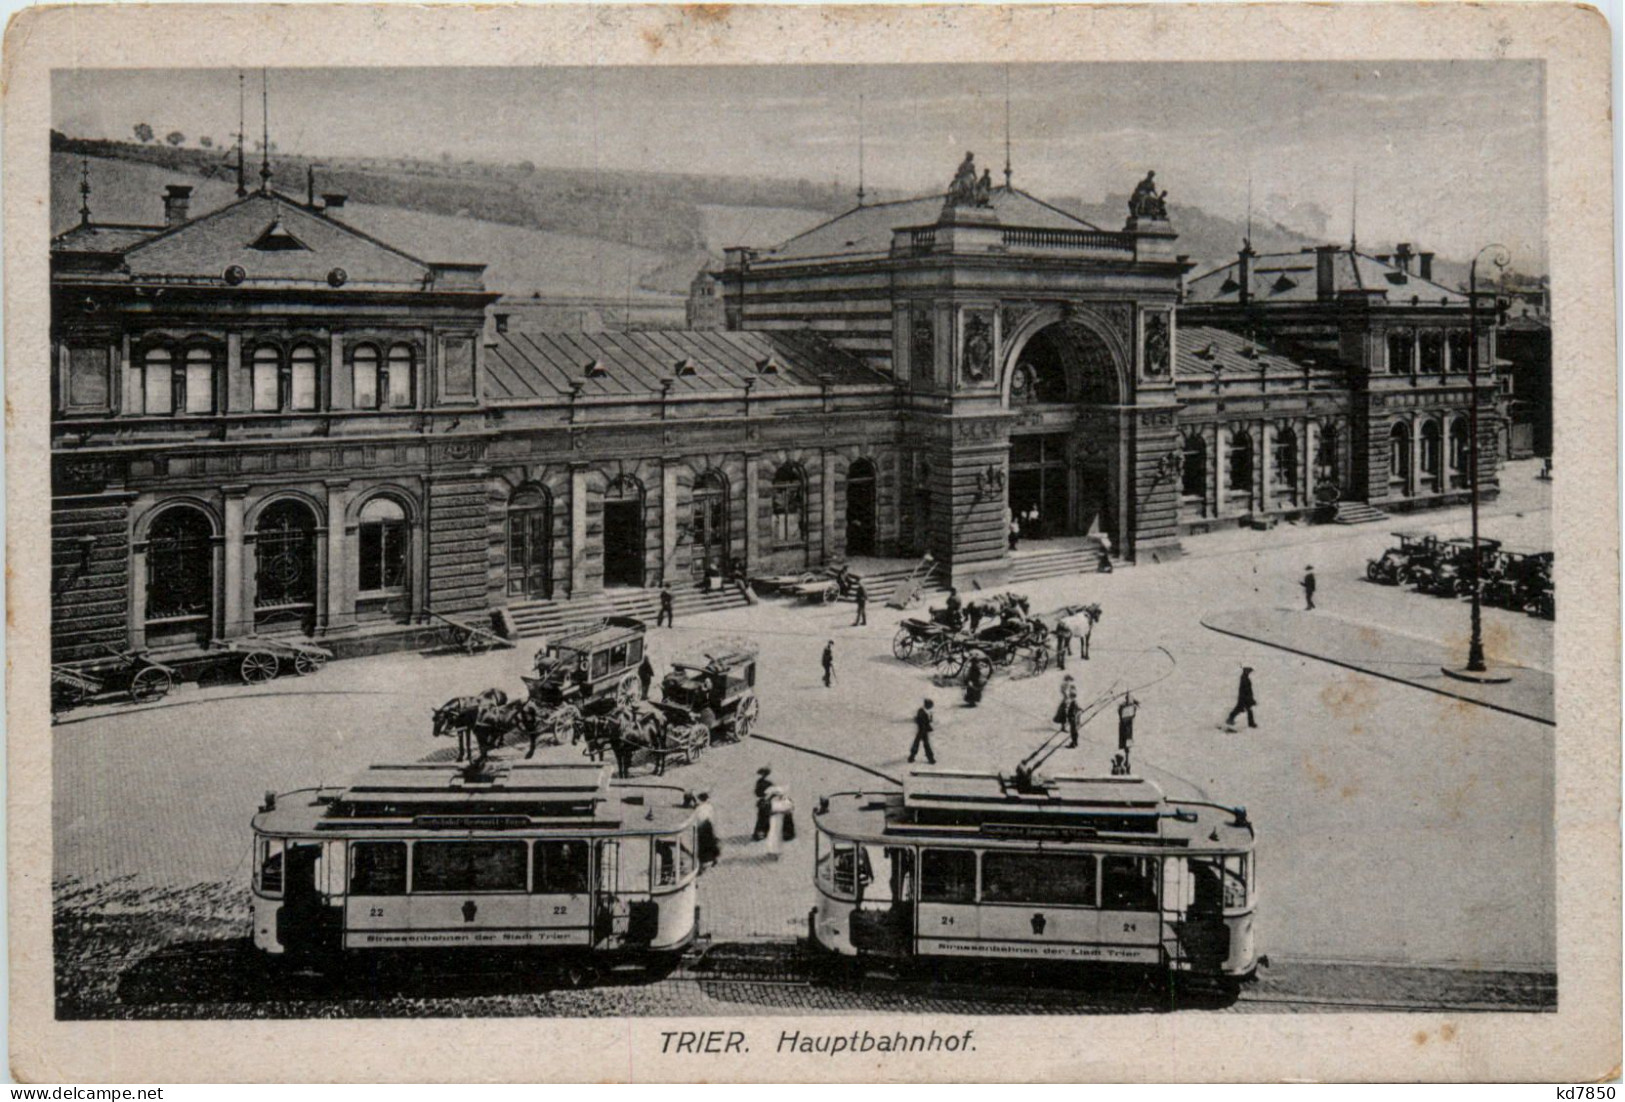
(256, 659)
(592, 670)
(443, 633)
(1023, 645)
(1451, 572)
(1522, 581)
(715, 689)
(133, 673)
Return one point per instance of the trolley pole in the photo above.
(1476, 669)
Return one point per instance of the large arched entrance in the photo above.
(285, 566)
(180, 578)
(1064, 464)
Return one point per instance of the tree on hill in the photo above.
(206, 142)
(143, 132)
(175, 138)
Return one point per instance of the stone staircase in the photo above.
(1358, 512)
(1029, 565)
(552, 619)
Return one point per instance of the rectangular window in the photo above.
(947, 876)
(1128, 883)
(199, 385)
(303, 383)
(159, 389)
(665, 862)
(269, 866)
(837, 868)
(382, 551)
(634, 652)
(1051, 878)
(617, 657)
(469, 866)
(88, 378)
(400, 383)
(457, 367)
(378, 868)
(365, 376)
(265, 384)
(560, 868)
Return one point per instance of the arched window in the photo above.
(157, 381)
(199, 381)
(267, 371)
(1241, 461)
(1432, 453)
(1400, 344)
(302, 384)
(180, 577)
(364, 367)
(1193, 472)
(1286, 461)
(285, 565)
(530, 542)
(400, 376)
(789, 505)
(1460, 460)
(708, 525)
(382, 540)
(1399, 456)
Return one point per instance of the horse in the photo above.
(612, 733)
(497, 721)
(458, 716)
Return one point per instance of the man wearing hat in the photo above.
(1244, 700)
(829, 663)
(1308, 584)
(924, 721)
(764, 802)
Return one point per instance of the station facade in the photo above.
(265, 420)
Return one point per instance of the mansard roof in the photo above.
(274, 240)
(868, 229)
(1290, 277)
(532, 366)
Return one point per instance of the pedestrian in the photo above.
(764, 783)
(1015, 531)
(1245, 701)
(861, 595)
(665, 613)
(1125, 726)
(780, 826)
(1067, 712)
(710, 850)
(646, 675)
(1106, 555)
(829, 663)
(975, 612)
(1063, 643)
(924, 722)
(1308, 584)
(975, 680)
(956, 609)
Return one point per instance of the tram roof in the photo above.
(955, 807)
(445, 796)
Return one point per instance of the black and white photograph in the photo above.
(875, 541)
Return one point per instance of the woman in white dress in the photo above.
(779, 808)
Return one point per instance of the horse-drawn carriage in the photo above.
(716, 689)
(131, 672)
(920, 641)
(1417, 551)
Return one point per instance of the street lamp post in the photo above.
(1476, 668)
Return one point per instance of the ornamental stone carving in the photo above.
(1156, 345)
(977, 353)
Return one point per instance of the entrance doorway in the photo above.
(180, 578)
(1039, 481)
(285, 567)
(708, 526)
(623, 533)
(530, 543)
(860, 508)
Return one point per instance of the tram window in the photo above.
(1039, 878)
(378, 868)
(469, 866)
(665, 862)
(1237, 885)
(837, 867)
(270, 866)
(561, 868)
(947, 876)
(600, 664)
(1128, 883)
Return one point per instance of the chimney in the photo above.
(1424, 265)
(332, 200)
(1326, 272)
(1402, 256)
(1244, 272)
(177, 201)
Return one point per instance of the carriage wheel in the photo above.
(564, 726)
(902, 644)
(627, 691)
(745, 717)
(1004, 657)
(1372, 574)
(150, 684)
(1038, 660)
(258, 666)
(578, 973)
(306, 664)
(951, 663)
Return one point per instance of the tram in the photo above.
(554, 858)
(1053, 870)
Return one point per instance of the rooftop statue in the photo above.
(1147, 202)
(966, 190)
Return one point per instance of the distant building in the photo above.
(704, 307)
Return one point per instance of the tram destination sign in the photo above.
(1056, 832)
(472, 822)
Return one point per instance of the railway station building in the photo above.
(265, 420)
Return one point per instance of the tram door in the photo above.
(305, 922)
(612, 912)
(1194, 930)
(883, 920)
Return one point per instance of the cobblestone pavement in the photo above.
(1396, 826)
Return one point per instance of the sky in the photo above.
(1450, 155)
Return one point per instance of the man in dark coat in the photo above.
(861, 595)
(646, 675)
(1063, 643)
(665, 613)
(924, 722)
(829, 663)
(1308, 584)
(1245, 701)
